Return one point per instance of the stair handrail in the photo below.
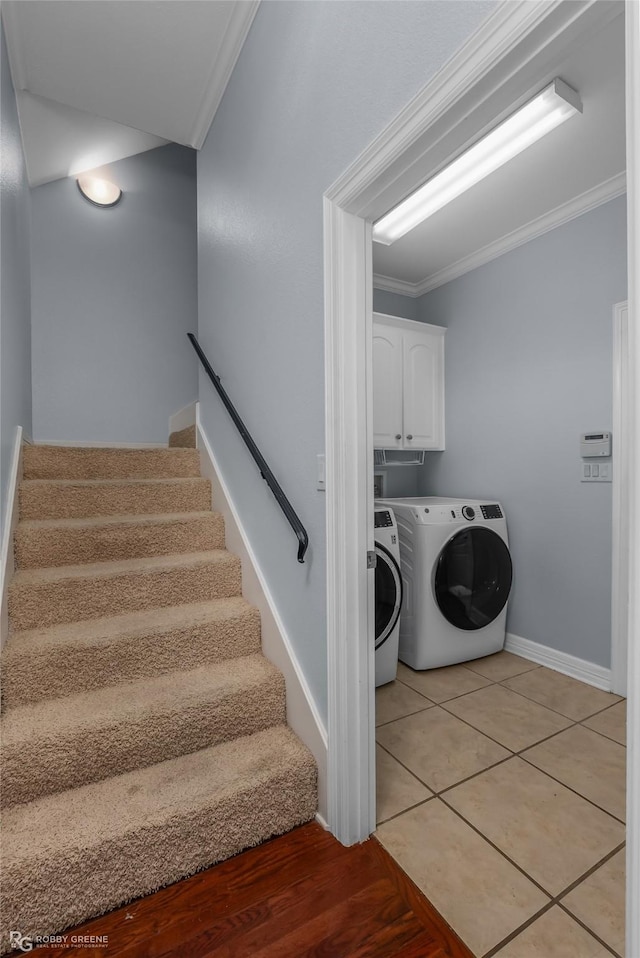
(265, 471)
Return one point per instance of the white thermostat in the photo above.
(594, 444)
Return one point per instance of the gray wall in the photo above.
(314, 84)
(528, 368)
(114, 294)
(395, 304)
(15, 307)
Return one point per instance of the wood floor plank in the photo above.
(302, 895)
(245, 932)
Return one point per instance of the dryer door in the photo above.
(473, 576)
(388, 594)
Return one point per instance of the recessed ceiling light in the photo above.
(555, 104)
(99, 192)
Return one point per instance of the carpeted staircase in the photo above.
(144, 735)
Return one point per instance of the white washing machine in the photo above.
(389, 593)
(457, 573)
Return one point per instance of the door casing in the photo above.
(480, 82)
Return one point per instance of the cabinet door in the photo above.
(423, 399)
(387, 387)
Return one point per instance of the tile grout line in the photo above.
(514, 754)
(462, 781)
(554, 900)
(502, 853)
(557, 900)
(557, 712)
(417, 712)
(501, 683)
(411, 808)
(578, 921)
(413, 774)
(575, 792)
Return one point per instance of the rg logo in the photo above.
(23, 942)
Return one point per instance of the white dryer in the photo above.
(388, 590)
(457, 574)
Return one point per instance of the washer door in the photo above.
(473, 576)
(388, 594)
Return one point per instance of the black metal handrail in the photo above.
(265, 471)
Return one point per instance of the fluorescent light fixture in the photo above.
(99, 192)
(555, 104)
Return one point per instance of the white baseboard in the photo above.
(570, 665)
(11, 521)
(302, 712)
(320, 820)
(184, 418)
(101, 445)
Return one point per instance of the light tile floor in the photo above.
(501, 789)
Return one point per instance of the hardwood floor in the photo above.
(302, 894)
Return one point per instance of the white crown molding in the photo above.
(391, 285)
(511, 23)
(234, 37)
(484, 48)
(589, 200)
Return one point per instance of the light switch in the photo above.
(595, 472)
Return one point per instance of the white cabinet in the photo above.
(408, 384)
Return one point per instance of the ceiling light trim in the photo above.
(544, 112)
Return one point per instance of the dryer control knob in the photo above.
(468, 512)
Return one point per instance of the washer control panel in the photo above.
(491, 511)
(382, 519)
(452, 512)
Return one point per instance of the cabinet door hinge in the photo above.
(371, 560)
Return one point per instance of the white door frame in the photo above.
(620, 499)
(427, 132)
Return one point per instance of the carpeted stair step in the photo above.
(55, 542)
(42, 597)
(77, 657)
(78, 854)
(83, 498)
(68, 742)
(75, 462)
(183, 438)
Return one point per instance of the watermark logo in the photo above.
(23, 942)
(29, 942)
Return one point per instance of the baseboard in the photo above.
(101, 445)
(570, 665)
(11, 521)
(302, 712)
(184, 418)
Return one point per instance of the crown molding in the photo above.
(513, 22)
(234, 37)
(401, 286)
(589, 200)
